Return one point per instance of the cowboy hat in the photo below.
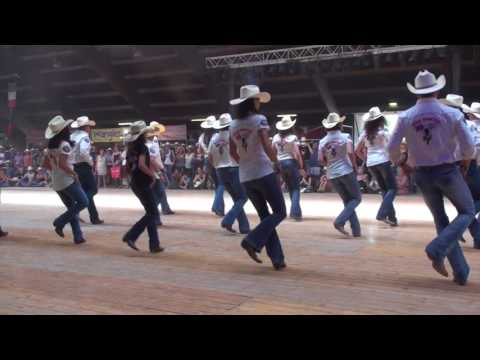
(251, 92)
(136, 130)
(455, 101)
(56, 126)
(426, 83)
(474, 109)
(83, 121)
(209, 122)
(373, 114)
(223, 121)
(286, 123)
(157, 128)
(332, 120)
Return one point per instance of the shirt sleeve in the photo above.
(65, 149)
(262, 123)
(349, 146)
(84, 147)
(396, 138)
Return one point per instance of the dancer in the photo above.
(142, 178)
(373, 145)
(290, 161)
(227, 172)
(157, 166)
(433, 131)
(468, 168)
(336, 152)
(65, 180)
(83, 163)
(218, 207)
(251, 148)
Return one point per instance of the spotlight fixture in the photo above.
(198, 120)
(125, 124)
(393, 104)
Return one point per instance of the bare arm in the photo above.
(142, 165)
(267, 145)
(360, 150)
(63, 164)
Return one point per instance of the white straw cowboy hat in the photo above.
(373, 114)
(209, 122)
(286, 123)
(251, 92)
(136, 130)
(474, 109)
(426, 83)
(157, 128)
(83, 121)
(223, 121)
(454, 101)
(55, 126)
(333, 120)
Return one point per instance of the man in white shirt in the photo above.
(83, 163)
(432, 132)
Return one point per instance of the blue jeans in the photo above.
(263, 192)
(291, 176)
(75, 200)
(347, 187)
(161, 196)
(230, 179)
(168, 173)
(435, 183)
(386, 180)
(89, 186)
(473, 182)
(218, 202)
(147, 197)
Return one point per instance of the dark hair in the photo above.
(285, 133)
(335, 128)
(135, 144)
(371, 128)
(426, 96)
(246, 108)
(64, 135)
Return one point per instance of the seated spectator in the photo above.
(40, 179)
(199, 179)
(27, 179)
(4, 180)
(325, 185)
(306, 184)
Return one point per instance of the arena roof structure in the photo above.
(177, 83)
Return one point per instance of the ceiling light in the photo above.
(125, 124)
(198, 120)
(393, 104)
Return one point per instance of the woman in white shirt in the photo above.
(101, 169)
(251, 148)
(372, 145)
(291, 162)
(336, 152)
(64, 178)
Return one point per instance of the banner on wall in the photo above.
(172, 133)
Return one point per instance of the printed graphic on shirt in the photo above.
(424, 126)
(220, 145)
(242, 136)
(332, 150)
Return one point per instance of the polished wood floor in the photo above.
(204, 270)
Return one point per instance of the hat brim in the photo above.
(219, 127)
(158, 129)
(280, 126)
(328, 125)
(367, 118)
(264, 98)
(452, 104)
(131, 138)
(441, 82)
(76, 125)
(49, 134)
(204, 125)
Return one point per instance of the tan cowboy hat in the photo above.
(332, 120)
(209, 122)
(136, 130)
(251, 92)
(373, 114)
(56, 126)
(223, 121)
(157, 128)
(455, 101)
(426, 83)
(286, 123)
(83, 121)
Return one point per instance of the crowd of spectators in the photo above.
(185, 168)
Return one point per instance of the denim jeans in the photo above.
(75, 200)
(147, 197)
(218, 202)
(386, 180)
(161, 196)
(473, 182)
(435, 183)
(347, 187)
(168, 173)
(89, 186)
(291, 176)
(263, 192)
(231, 181)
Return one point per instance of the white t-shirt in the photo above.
(377, 152)
(285, 146)
(81, 149)
(101, 165)
(334, 149)
(60, 179)
(254, 162)
(219, 148)
(474, 127)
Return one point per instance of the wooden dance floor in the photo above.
(204, 270)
